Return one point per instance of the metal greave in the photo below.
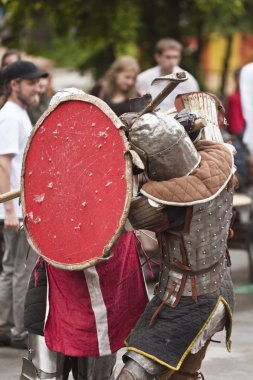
(41, 363)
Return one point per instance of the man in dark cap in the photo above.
(20, 80)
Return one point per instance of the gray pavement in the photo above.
(237, 365)
(219, 364)
(10, 363)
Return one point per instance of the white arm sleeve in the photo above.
(141, 85)
(246, 91)
(9, 136)
(192, 83)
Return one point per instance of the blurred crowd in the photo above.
(25, 92)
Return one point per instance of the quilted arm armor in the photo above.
(144, 216)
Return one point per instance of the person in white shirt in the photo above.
(20, 80)
(246, 91)
(167, 56)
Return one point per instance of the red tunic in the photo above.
(91, 312)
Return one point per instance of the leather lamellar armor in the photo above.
(194, 260)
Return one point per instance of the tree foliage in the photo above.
(91, 33)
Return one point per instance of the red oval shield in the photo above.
(76, 183)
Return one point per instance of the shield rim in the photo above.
(105, 254)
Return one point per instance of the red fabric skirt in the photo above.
(91, 312)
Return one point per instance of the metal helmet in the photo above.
(164, 146)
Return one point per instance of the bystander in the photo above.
(167, 56)
(236, 122)
(118, 84)
(21, 81)
(10, 56)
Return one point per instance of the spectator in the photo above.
(21, 80)
(118, 85)
(10, 56)
(236, 122)
(42, 100)
(167, 56)
(246, 91)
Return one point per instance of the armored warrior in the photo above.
(187, 200)
(185, 197)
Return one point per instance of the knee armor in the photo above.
(133, 371)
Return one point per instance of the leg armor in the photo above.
(94, 368)
(139, 367)
(190, 367)
(133, 371)
(42, 363)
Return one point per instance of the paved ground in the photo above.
(219, 365)
(237, 365)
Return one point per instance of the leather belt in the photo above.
(187, 271)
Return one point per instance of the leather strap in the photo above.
(194, 288)
(179, 267)
(194, 376)
(173, 286)
(187, 220)
(184, 277)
